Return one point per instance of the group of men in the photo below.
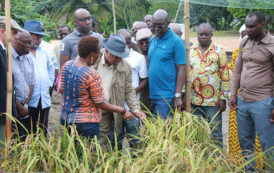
(155, 67)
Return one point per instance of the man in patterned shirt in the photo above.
(210, 80)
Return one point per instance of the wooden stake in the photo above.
(177, 12)
(114, 16)
(188, 83)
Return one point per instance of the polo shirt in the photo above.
(163, 56)
(69, 45)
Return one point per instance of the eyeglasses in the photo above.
(30, 43)
(84, 19)
(37, 37)
(158, 25)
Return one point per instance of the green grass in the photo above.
(178, 145)
(219, 34)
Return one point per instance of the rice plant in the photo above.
(181, 144)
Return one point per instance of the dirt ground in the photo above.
(228, 43)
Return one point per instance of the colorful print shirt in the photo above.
(209, 75)
(82, 88)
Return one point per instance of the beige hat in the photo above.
(13, 23)
(143, 33)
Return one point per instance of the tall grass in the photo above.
(178, 145)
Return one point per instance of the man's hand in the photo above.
(178, 103)
(272, 116)
(22, 111)
(222, 105)
(128, 115)
(233, 102)
(140, 115)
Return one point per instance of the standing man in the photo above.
(63, 32)
(148, 20)
(116, 77)
(167, 59)
(24, 78)
(83, 26)
(40, 102)
(51, 53)
(253, 75)
(139, 82)
(176, 28)
(142, 37)
(210, 80)
(3, 71)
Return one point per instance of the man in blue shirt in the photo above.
(167, 59)
(40, 102)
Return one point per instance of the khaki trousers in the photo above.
(105, 127)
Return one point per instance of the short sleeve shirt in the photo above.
(69, 45)
(82, 88)
(163, 56)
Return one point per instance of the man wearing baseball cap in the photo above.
(116, 76)
(3, 72)
(40, 102)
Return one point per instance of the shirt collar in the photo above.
(2, 44)
(80, 34)
(169, 32)
(211, 46)
(266, 38)
(15, 54)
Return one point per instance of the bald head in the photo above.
(176, 28)
(123, 32)
(82, 21)
(160, 23)
(148, 19)
(160, 15)
(79, 12)
(23, 43)
(204, 35)
(204, 26)
(126, 35)
(138, 25)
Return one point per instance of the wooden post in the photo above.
(114, 16)
(188, 83)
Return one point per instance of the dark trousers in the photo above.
(88, 130)
(39, 117)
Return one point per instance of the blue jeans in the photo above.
(131, 129)
(88, 130)
(214, 117)
(162, 107)
(254, 117)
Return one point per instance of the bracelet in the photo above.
(124, 111)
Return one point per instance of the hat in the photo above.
(143, 33)
(116, 45)
(13, 23)
(243, 28)
(34, 27)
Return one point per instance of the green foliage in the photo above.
(242, 13)
(22, 10)
(178, 145)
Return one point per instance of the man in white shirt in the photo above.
(138, 64)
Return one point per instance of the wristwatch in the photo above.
(177, 95)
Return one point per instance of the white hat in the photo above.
(243, 28)
(143, 33)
